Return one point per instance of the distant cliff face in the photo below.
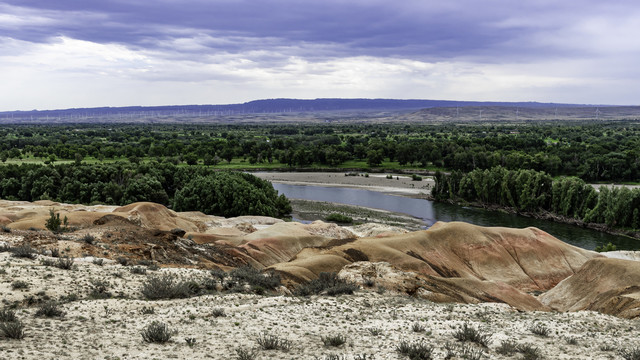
(451, 262)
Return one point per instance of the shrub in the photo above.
(529, 352)
(138, 270)
(8, 315)
(53, 222)
(375, 331)
(49, 309)
(165, 287)
(47, 262)
(468, 333)
(156, 332)
(147, 310)
(415, 177)
(247, 275)
(88, 238)
(218, 312)
(334, 340)
(65, 263)
(273, 342)
(415, 351)
(98, 261)
(122, 261)
(23, 251)
(19, 284)
(607, 247)
(507, 347)
(12, 329)
(246, 354)
(329, 282)
(417, 327)
(540, 330)
(631, 354)
(99, 290)
(339, 218)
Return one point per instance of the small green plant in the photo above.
(157, 332)
(49, 309)
(147, 310)
(471, 334)
(12, 329)
(334, 340)
(19, 285)
(529, 352)
(415, 177)
(507, 347)
(572, 341)
(608, 247)
(99, 290)
(273, 342)
(339, 218)
(54, 224)
(375, 331)
(246, 354)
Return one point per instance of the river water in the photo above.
(431, 212)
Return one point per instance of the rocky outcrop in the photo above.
(610, 286)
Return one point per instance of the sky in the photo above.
(91, 53)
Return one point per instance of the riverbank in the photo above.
(398, 185)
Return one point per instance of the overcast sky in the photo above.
(86, 53)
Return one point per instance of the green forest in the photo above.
(220, 193)
(592, 151)
(530, 191)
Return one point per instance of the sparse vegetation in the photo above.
(539, 329)
(8, 315)
(339, 218)
(65, 263)
(19, 285)
(246, 354)
(417, 327)
(218, 312)
(23, 251)
(604, 248)
(12, 329)
(631, 354)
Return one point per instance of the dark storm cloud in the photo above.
(414, 29)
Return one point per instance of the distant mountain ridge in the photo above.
(276, 106)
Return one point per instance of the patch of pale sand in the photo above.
(622, 254)
(110, 329)
(400, 184)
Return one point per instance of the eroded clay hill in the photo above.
(450, 262)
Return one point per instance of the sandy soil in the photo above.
(111, 329)
(399, 185)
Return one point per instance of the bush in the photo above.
(49, 309)
(64, 263)
(329, 282)
(218, 312)
(415, 177)
(54, 224)
(540, 330)
(631, 354)
(99, 290)
(246, 354)
(88, 239)
(334, 340)
(19, 285)
(23, 251)
(607, 247)
(157, 332)
(468, 333)
(417, 327)
(273, 342)
(339, 218)
(247, 275)
(166, 287)
(12, 329)
(138, 270)
(8, 315)
(415, 351)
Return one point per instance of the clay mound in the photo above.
(5, 220)
(486, 264)
(154, 216)
(610, 286)
(37, 219)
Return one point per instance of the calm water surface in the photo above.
(431, 212)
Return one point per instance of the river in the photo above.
(430, 212)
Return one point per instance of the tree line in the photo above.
(536, 192)
(183, 188)
(592, 151)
